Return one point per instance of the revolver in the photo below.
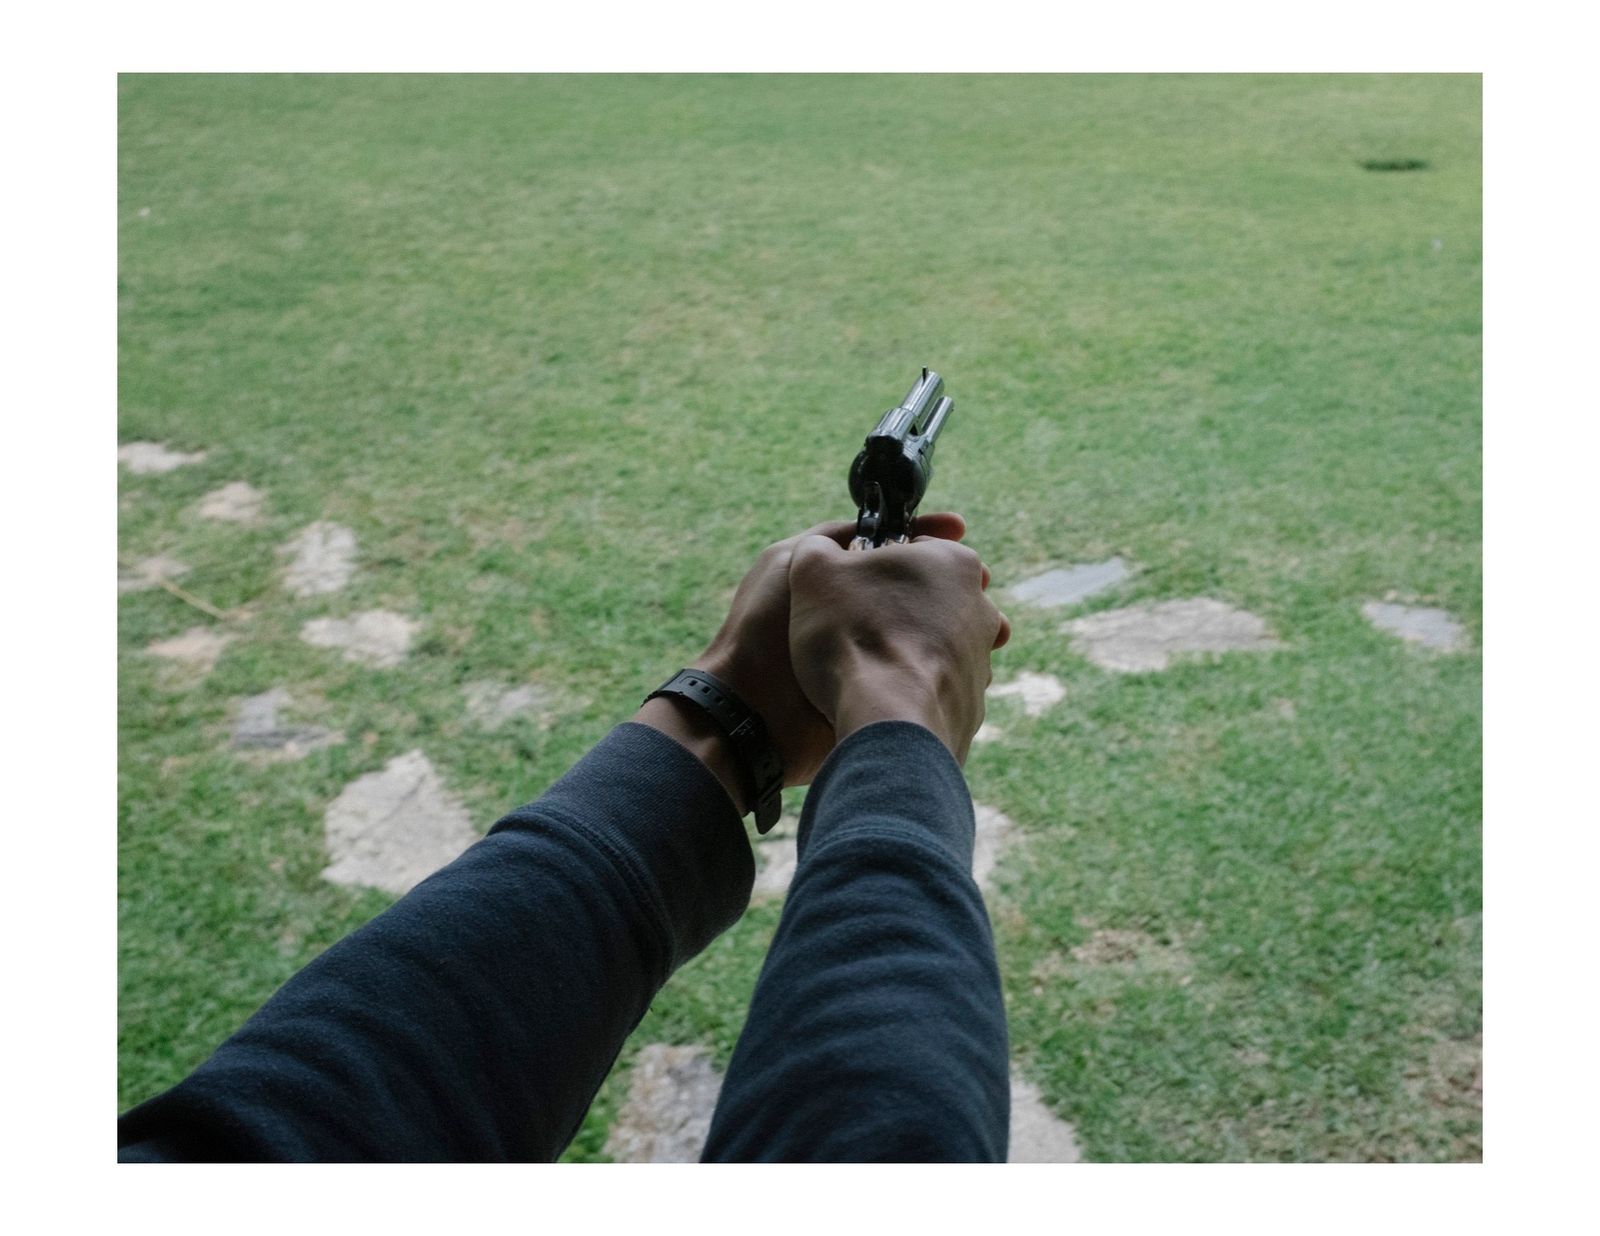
(890, 475)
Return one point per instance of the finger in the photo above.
(984, 583)
(942, 525)
(839, 531)
(1003, 634)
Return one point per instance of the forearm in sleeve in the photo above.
(476, 1018)
(877, 1030)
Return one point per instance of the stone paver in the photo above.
(149, 572)
(372, 637)
(259, 728)
(197, 649)
(777, 858)
(1038, 692)
(395, 827)
(1417, 624)
(237, 502)
(989, 733)
(1070, 585)
(150, 458)
(322, 558)
(1038, 1135)
(672, 1092)
(492, 704)
(776, 853)
(996, 832)
(1146, 637)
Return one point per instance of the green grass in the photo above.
(567, 351)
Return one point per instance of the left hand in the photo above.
(751, 651)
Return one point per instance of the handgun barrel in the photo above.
(909, 418)
(922, 395)
(936, 419)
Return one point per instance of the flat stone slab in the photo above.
(776, 858)
(777, 854)
(1038, 692)
(259, 728)
(1038, 1135)
(989, 733)
(372, 637)
(672, 1092)
(996, 832)
(197, 649)
(1071, 584)
(491, 704)
(148, 458)
(393, 828)
(149, 572)
(1417, 624)
(322, 558)
(1147, 637)
(237, 502)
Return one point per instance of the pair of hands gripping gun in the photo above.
(821, 641)
(903, 633)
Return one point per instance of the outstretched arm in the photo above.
(877, 1031)
(476, 1018)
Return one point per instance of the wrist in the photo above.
(881, 692)
(698, 734)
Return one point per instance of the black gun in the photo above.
(891, 474)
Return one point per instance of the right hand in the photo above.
(899, 633)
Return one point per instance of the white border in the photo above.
(1540, 729)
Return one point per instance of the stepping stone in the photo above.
(323, 558)
(373, 637)
(777, 855)
(492, 704)
(1146, 637)
(1417, 624)
(196, 649)
(237, 502)
(1070, 585)
(258, 727)
(1038, 1135)
(1038, 692)
(149, 572)
(996, 832)
(988, 733)
(672, 1092)
(147, 458)
(393, 828)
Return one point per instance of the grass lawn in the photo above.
(566, 352)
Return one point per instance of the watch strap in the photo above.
(744, 728)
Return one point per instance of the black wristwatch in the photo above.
(763, 769)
